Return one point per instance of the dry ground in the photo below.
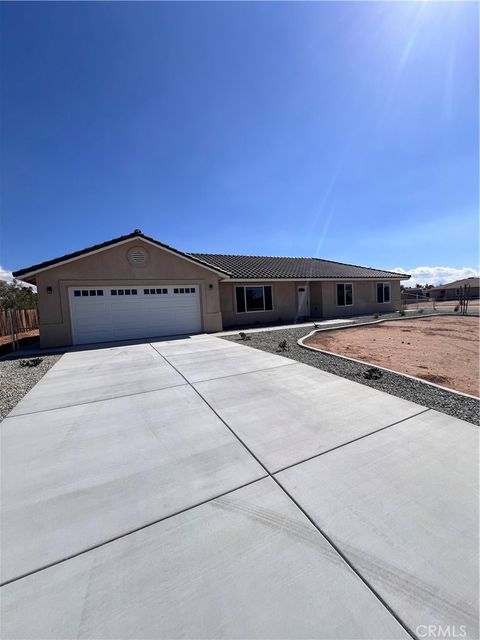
(443, 350)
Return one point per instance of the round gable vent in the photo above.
(137, 256)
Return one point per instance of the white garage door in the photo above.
(102, 314)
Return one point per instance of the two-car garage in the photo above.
(108, 313)
(130, 288)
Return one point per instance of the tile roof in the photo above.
(103, 245)
(265, 267)
(234, 266)
(472, 281)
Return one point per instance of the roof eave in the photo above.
(30, 272)
(309, 279)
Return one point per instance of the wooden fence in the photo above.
(15, 322)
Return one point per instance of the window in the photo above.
(344, 295)
(253, 299)
(87, 292)
(383, 292)
(120, 292)
(183, 290)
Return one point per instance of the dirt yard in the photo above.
(443, 350)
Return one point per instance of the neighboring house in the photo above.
(137, 287)
(453, 290)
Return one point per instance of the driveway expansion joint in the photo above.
(80, 404)
(309, 518)
(130, 532)
(344, 444)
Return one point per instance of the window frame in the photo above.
(344, 284)
(384, 284)
(253, 286)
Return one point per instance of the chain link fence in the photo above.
(412, 301)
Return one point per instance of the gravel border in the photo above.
(392, 383)
(16, 381)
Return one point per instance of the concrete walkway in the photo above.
(197, 488)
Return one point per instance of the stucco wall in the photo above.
(284, 296)
(316, 299)
(451, 294)
(111, 267)
(364, 299)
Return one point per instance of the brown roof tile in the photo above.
(241, 267)
(276, 267)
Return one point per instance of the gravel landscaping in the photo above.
(393, 383)
(17, 380)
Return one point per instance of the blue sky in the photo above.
(347, 131)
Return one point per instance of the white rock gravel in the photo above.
(16, 381)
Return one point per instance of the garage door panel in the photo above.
(122, 313)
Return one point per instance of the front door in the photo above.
(303, 301)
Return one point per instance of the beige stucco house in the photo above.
(136, 287)
(455, 290)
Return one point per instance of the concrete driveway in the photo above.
(195, 488)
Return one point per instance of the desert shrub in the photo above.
(34, 362)
(372, 374)
(376, 316)
(402, 312)
(283, 346)
(457, 308)
(421, 310)
(244, 336)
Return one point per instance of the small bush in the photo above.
(34, 362)
(376, 316)
(244, 336)
(283, 346)
(372, 374)
(421, 310)
(457, 308)
(402, 312)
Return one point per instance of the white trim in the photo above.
(253, 286)
(344, 295)
(116, 244)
